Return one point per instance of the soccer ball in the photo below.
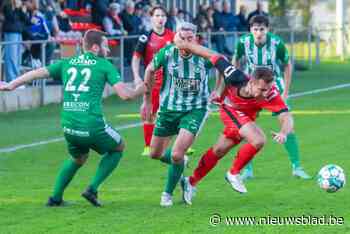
(331, 178)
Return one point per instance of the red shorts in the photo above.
(233, 120)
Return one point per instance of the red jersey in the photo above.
(251, 106)
(149, 44)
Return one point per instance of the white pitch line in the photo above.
(315, 91)
(127, 126)
(18, 147)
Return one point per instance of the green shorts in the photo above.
(102, 140)
(169, 123)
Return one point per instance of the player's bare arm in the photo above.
(287, 80)
(27, 77)
(135, 66)
(149, 82)
(193, 47)
(127, 93)
(286, 123)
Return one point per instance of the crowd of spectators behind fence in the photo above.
(46, 20)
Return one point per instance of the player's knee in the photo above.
(81, 160)
(219, 150)
(258, 141)
(155, 154)
(177, 156)
(120, 147)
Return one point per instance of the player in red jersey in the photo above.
(148, 45)
(243, 98)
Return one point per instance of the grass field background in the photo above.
(131, 195)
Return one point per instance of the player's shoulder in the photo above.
(143, 38)
(275, 38)
(245, 37)
(169, 48)
(169, 32)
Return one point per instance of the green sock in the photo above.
(107, 164)
(66, 174)
(292, 148)
(174, 175)
(166, 157)
(249, 166)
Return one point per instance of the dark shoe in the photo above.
(52, 203)
(91, 197)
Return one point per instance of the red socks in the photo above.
(205, 164)
(244, 155)
(147, 133)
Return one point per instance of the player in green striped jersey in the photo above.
(183, 105)
(84, 78)
(262, 48)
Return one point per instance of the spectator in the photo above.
(146, 19)
(14, 25)
(259, 11)
(242, 20)
(138, 18)
(229, 24)
(172, 19)
(99, 10)
(37, 30)
(203, 24)
(112, 23)
(131, 25)
(219, 39)
(63, 23)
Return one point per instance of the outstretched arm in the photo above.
(39, 73)
(127, 93)
(286, 123)
(231, 75)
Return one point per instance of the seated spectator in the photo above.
(112, 23)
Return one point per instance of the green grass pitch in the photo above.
(131, 195)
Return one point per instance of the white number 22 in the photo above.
(73, 72)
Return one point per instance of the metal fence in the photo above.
(307, 46)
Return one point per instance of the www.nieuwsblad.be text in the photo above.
(327, 220)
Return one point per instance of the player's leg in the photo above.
(207, 162)
(255, 141)
(109, 144)
(70, 167)
(148, 124)
(291, 145)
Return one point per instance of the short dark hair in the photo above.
(158, 7)
(263, 73)
(93, 36)
(259, 19)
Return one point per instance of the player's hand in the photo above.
(285, 96)
(4, 86)
(138, 81)
(146, 111)
(215, 98)
(279, 137)
(179, 41)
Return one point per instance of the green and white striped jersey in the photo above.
(185, 80)
(272, 54)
